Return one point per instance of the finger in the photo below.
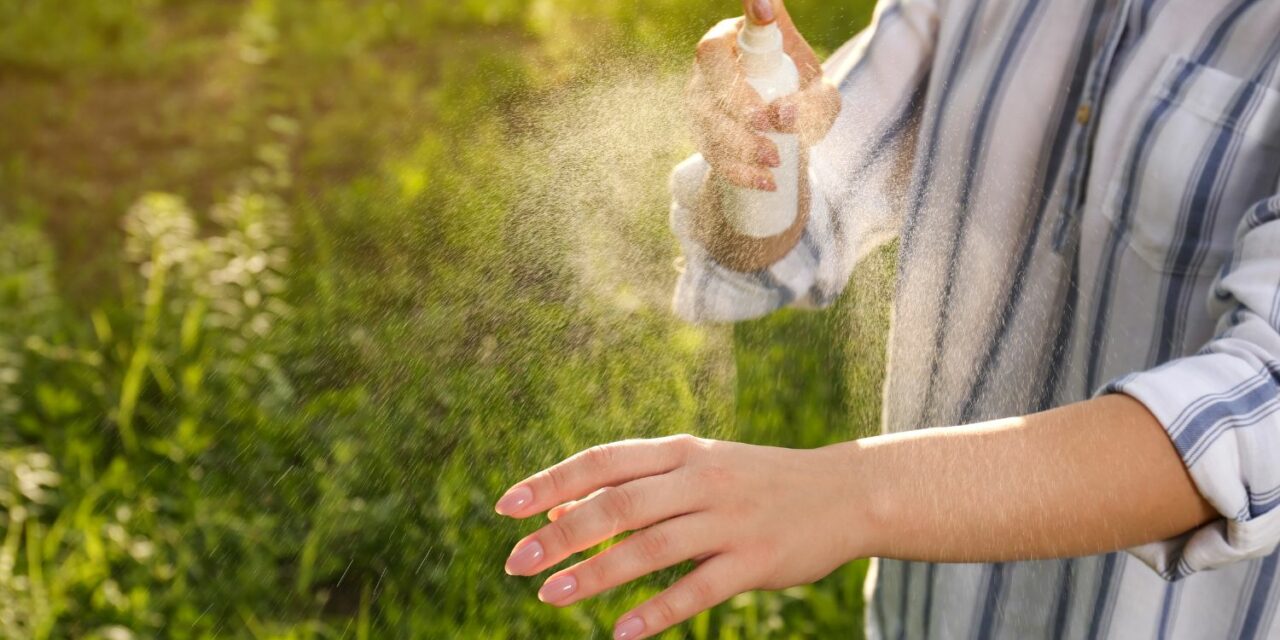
(808, 113)
(758, 11)
(794, 44)
(715, 581)
(631, 506)
(742, 103)
(727, 93)
(658, 547)
(718, 74)
(559, 510)
(746, 176)
(717, 52)
(722, 140)
(600, 466)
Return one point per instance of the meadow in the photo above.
(291, 290)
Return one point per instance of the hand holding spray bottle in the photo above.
(758, 102)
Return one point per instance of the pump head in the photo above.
(759, 47)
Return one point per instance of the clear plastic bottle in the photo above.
(772, 73)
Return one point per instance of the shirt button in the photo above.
(1083, 113)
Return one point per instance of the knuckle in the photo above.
(556, 480)
(600, 456)
(683, 440)
(619, 504)
(706, 48)
(689, 445)
(562, 534)
(653, 545)
(700, 590)
(665, 611)
(595, 573)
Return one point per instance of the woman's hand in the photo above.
(754, 517)
(729, 116)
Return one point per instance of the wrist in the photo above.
(863, 513)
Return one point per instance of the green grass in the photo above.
(292, 290)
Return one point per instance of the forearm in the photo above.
(1090, 477)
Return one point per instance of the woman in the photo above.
(1088, 286)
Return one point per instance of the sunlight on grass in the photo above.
(294, 289)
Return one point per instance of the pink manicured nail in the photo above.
(787, 115)
(629, 629)
(762, 11)
(514, 500)
(558, 589)
(768, 156)
(524, 559)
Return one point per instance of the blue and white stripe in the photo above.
(1085, 191)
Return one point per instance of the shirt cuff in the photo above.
(1221, 413)
(708, 291)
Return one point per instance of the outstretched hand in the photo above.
(752, 517)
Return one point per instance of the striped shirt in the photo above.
(1085, 198)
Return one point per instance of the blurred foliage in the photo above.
(291, 290)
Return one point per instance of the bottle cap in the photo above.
(760, 38)
(759, 47)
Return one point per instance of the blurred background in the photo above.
(291, 290)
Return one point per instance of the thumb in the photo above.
(759, 11)
(762, 12)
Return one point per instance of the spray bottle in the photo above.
(773, 75)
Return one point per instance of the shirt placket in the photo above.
(1086, 118)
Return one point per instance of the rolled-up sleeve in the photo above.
(854, 175)
(1221, 408)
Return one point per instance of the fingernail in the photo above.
(768, 156)
(514, 500)
(629, 629)
(761, 11)
(524, 559)
(787, 115)
(558, 589)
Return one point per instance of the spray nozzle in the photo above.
(759, 47)
(760, 38)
